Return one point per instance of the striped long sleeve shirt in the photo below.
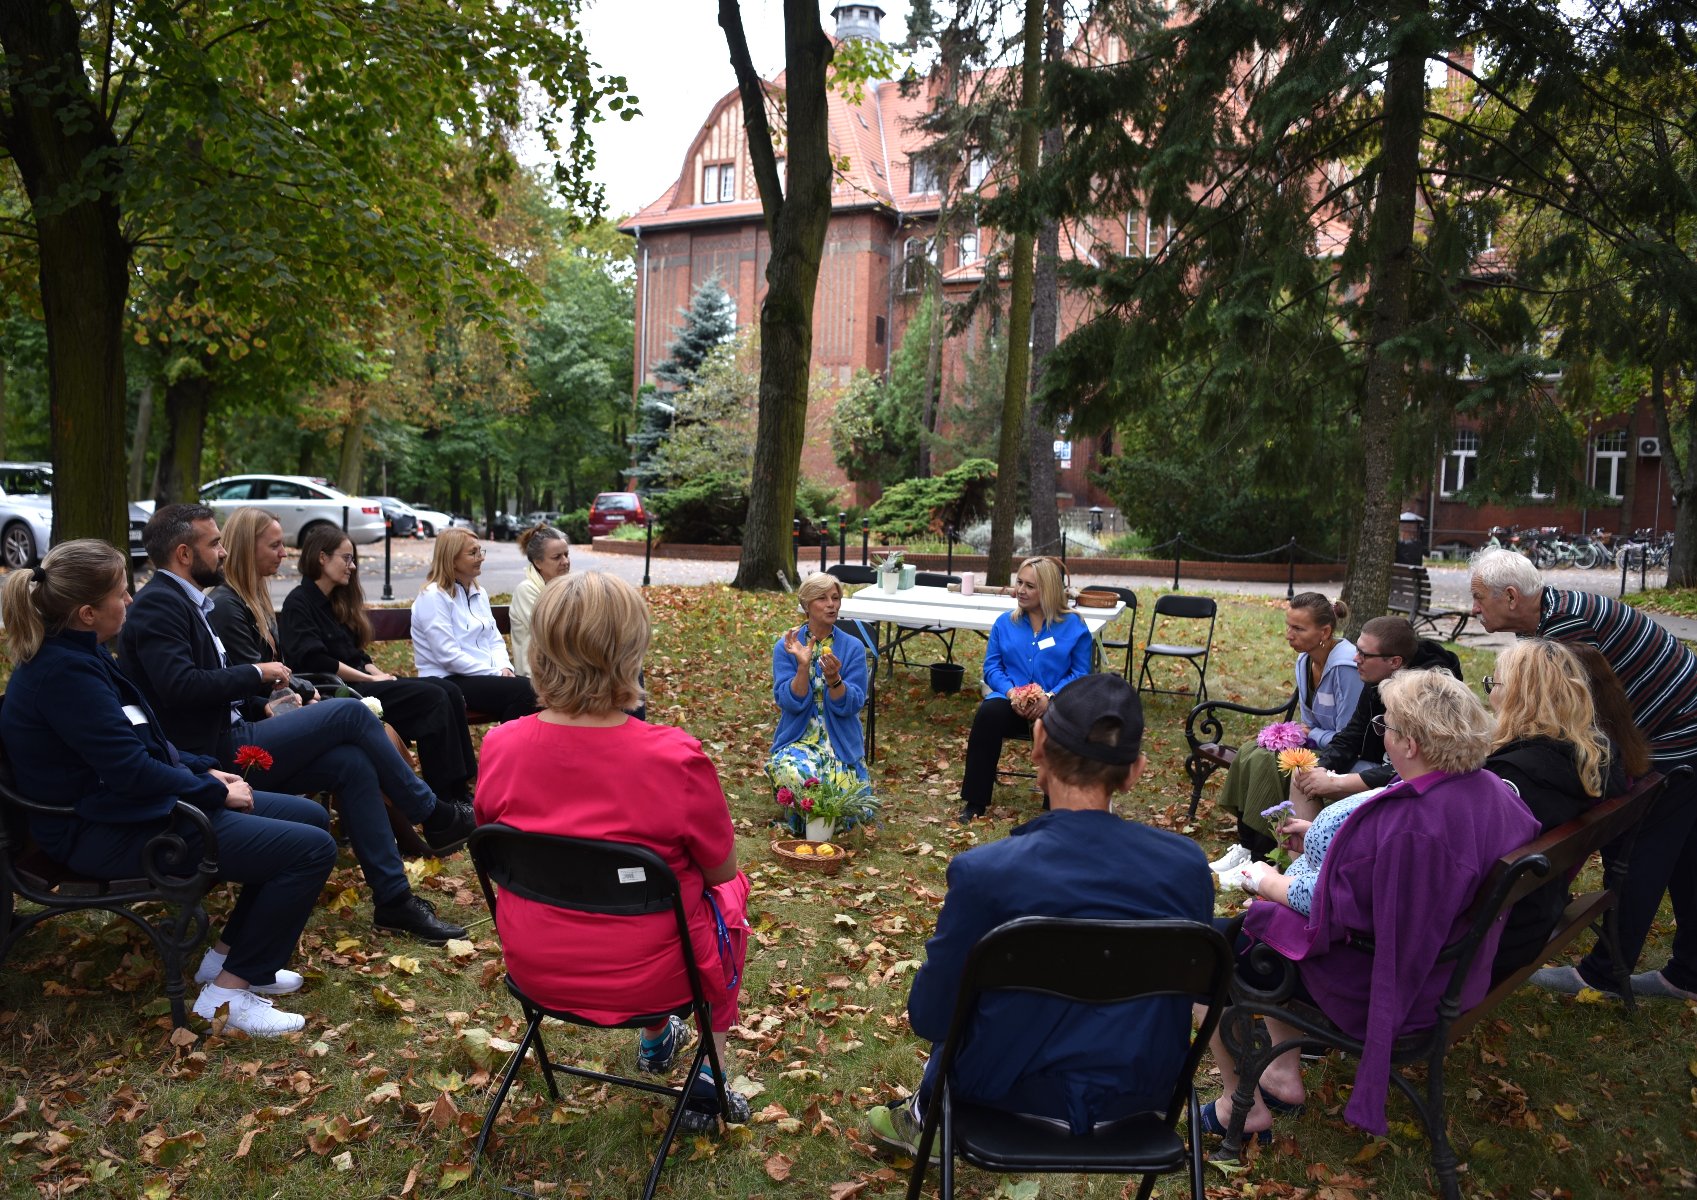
(1658, 673)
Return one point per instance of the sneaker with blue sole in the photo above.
(701, 1110)
(656, 1057)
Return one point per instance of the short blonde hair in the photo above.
(816, 586)
(588, 635)
(1051, 586)
(1437, 711)
(1543, 690)
(449, 543)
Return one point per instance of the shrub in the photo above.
(919, 507)
(709, 510)
(575, 525)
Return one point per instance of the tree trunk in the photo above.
(1386, 384)
(353, 444)
(1682, 559)
(2, 406)
(187, 401)
(1045, 324)
(1010, 450)
(487, 478)
(797, 217)
(67, 158)
(933, 367)
(144, 431)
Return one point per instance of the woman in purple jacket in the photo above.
(1402, 871)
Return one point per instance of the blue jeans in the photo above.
(1663, 859)
(338, 746)
(281, 853)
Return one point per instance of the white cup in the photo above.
(966, 583)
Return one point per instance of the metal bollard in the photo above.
(647, 550)
(865, 541)
(949, 558)
(1178, 546)
(842, 537)
(388, 590)
(1290, 576)
(824, 544)
(1063, 547)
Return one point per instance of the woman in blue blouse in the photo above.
(1040, 643)
(79, 733)
(819, 685)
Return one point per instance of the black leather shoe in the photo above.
(968, 813)
(447, 829)
(416, 916)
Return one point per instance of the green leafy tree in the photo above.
(708, 323)
(713, 420)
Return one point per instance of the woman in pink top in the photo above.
(583, 768)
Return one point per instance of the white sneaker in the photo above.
(253, 1015)
(1234, 858)
(284, 984)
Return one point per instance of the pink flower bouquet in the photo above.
(1282, 735)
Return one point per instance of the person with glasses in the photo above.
(1328, 687)
(1354, 761)
(324, 630)
(1400, 880)
(454, 635)
(1659, 675)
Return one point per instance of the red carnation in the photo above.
(248, 757)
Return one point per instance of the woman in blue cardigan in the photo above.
(79, 733)
(819, 685)
(1039, 643)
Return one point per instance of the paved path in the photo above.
(504, 567)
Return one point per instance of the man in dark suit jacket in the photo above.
(208, 707)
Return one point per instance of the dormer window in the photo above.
(718, 183)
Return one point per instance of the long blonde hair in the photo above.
(1546, 692)
(1051, 586)
(38, 602)
(449, 543)
(241, 570)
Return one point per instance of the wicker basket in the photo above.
(784, 848)
(1096, 598)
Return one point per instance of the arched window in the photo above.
(914, 253)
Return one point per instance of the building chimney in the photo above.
(858, 21)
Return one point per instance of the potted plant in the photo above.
(890, 571)
(820, 806)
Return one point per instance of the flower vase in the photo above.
(890, 581)
(821, 829)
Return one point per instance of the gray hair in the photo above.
(1499, 569)
(816, 586)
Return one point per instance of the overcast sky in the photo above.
(672, 53)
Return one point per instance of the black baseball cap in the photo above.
(1104, 704)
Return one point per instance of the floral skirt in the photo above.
(790, 765)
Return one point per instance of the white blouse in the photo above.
(454, 633)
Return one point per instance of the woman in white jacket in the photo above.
(454, 635)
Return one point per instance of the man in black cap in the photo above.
(1077, 1064)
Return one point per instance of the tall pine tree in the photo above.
(709, 322)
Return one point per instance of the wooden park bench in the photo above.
(178, 887)
(1411, 597)
(1556, 855)
(1209, 751)
(395, 625)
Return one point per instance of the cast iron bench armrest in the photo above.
(1207, 752)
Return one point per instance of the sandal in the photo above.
(1282, 1108)
(1211, 1124)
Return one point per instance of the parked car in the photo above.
(612, 509)
(506, 526)
(403, 522)
(429, 519)
(299, 502)
(26, 515)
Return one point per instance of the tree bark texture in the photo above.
(796, 222)
(1386, 382)
(144, 432)
(1010, 450)
(1682, 559)
(68, 160)
(352, 457)
(3, 406)
(187, 401)
(1045, 326)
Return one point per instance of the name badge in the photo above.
(1047, 643)
(135, 714)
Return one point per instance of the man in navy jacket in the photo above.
(208, 707)
(1074, 1063)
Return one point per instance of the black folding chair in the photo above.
(943, 633)
(619, 881)
(1088, 962)
(851, 573)
(1105, 643)
(1179, 608)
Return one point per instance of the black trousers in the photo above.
(430, 713)
(504, 697)
(994, 723)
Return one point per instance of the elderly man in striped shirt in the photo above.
(1660, 677)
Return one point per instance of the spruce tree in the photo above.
(709, 321)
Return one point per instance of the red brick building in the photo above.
(885, 209)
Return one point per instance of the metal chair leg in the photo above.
(530, 1035)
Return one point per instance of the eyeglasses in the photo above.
(1377, 724)
(474, 551)
(1490, 681)
(349, 559)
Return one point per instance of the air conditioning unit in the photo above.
(1649, 447)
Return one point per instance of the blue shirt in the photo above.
(1054, 656)
(1075, 1062)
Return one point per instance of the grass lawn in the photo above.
(383, 1092)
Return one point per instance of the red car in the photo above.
(612, 509)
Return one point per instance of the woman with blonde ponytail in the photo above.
(80, 734)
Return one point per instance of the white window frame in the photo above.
(727, 183)
(1611, 449)
(1463, 459)
(968, 249)
(977, 167)
(914, 254)
(921, 177)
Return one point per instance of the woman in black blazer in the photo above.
(324, 630)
